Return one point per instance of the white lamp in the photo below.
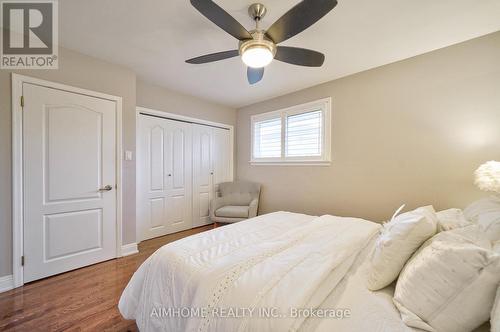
(487, 176)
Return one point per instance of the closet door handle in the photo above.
(106, 188)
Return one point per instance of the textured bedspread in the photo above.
(236, 277)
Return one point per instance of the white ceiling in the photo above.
(154, 37)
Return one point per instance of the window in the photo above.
(303, 134)
(296, 135)
(267, 138)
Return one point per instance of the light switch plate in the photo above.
(129, 155)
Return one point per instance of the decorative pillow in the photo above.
(449, 284)
(399, 239)
(490, 223)
(475, 209)
(486, 214)
(495, 314)
(451, 219)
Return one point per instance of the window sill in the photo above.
(291, 163)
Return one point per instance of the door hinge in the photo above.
(22, 101)
(22, 260)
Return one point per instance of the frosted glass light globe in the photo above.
(257, 56)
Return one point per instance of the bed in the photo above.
(278, 266)
(370, 311)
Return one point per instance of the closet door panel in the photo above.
(152, 192)
(156, 216)
(164, 186)
(179, 164)
(205, 158)
(180, 177)
(222, 156)
(203, 173)
(156, 160)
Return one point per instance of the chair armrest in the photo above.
(215, 204)
(253, 208)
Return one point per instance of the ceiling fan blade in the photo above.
(254, 74)
(299, 56)
(221, 18)
(213, 57)
(299, 18)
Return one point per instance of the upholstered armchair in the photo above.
(237, 201)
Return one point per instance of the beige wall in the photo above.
(161, 99)
(90, 73)
(410, 132)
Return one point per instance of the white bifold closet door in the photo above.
(180, 165)
(211, 166)
(164, 177)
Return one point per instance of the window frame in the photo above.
(324, 105)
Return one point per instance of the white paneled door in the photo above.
(212, 164)
(221, 155)
(164, 176)
(203, 172)
(69, 157)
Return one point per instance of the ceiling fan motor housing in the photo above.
(259, 40)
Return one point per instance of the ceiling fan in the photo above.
(259, 47)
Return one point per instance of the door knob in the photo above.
(106, 188)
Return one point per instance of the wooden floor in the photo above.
(82, 300)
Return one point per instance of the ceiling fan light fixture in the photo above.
(257, 56)
(257, 52)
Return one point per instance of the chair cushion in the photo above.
(239, 193)
(232, 211)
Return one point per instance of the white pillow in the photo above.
(399, 239)
(490, 223)
(475, 209)
(451, 219)
(449, 284)
(495, 314)
(486, 214)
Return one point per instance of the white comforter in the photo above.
(222, 279)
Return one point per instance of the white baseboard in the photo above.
(129, 249)
(6, 283)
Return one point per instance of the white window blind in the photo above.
(303, 134)
(267, 138)
(295, 135)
